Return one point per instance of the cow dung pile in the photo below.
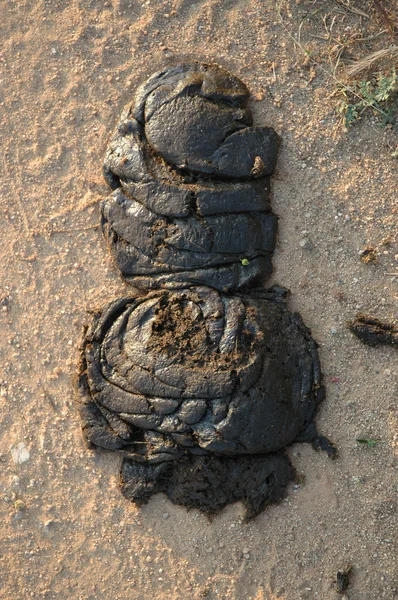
(200, 376)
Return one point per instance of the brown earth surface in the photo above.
(67, 69)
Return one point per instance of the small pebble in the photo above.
(48, 524)
(306, 244)
(259, 96)
(20, 453)
(165, 515)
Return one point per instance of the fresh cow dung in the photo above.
(191, 180)
(202, 377)
(176, 375)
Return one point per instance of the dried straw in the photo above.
(371, 59)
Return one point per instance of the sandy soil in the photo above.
(67, 69)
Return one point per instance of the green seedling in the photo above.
(245, 262)
(369, 443)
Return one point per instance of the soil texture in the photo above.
(67, 68)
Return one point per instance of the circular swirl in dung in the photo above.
(191, 179)
(201, 371)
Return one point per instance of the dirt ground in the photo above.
(67, 69)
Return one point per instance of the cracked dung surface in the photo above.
(191, 180)
(199, 386)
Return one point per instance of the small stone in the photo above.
(247, 556)
(306, 244)
(20, 453)
(165, 515)
(48, 524)
(333, 330)
(167, 52)
(53, 51)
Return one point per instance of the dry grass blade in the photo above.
(356, 11)
(371, 59)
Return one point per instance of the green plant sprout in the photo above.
(369, 443)
(380, 95)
